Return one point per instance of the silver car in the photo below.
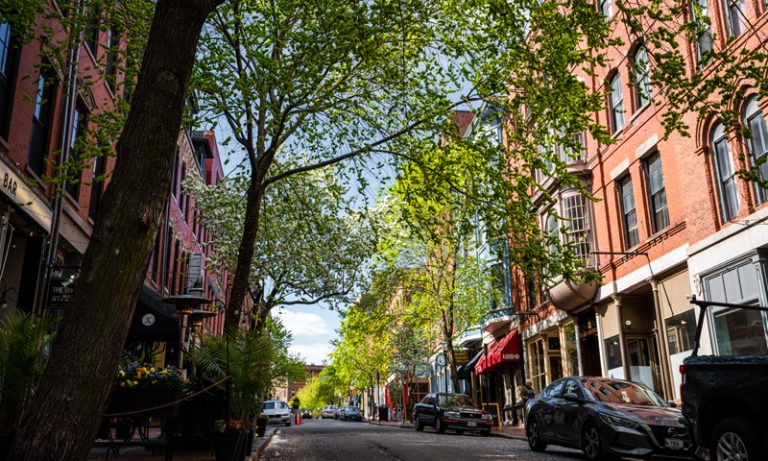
(328, 411)
(277, 411)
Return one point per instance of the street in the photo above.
(336, 440)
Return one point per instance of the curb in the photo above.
(507, 436)
(260, 451)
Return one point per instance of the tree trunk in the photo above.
(452, 364)
(245, 254)
(63, 418)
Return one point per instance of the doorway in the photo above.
(641, 357)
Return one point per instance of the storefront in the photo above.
(499, 374)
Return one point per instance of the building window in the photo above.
(112, 57)
(740, 332)
(681, 332)
(41, 124)
(77, 145)
(758, 146)
(97, 185)
(553, 234)
(606, 7)
(538, 364)
(91, 38)
(617, 104)
(577, 230)
(613, 356)
(657, 195)
(8, 54)
(175, 185)
(628, 213)
(735, 11)
(641, 70)
(703, 29)
(182, 193)
(726, 178)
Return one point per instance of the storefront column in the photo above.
(661, 341)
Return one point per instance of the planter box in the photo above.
(144, 401)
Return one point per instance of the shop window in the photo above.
(628, 212)
(571, 353)
(613, 353)
(740, 332)
(657, 194)
(681, 331)
(41, 123)
(725, 174)
(538, 366)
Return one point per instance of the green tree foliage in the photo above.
(311, 247)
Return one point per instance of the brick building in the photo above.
(672, 220)
(40, 124)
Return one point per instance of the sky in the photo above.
(313, 328)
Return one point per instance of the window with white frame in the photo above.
(657, 195)
(617, 104)
(735, 11)
(606, 7)
(724, 172)
(757, 144)
(553, 233)
(628, 212)
(642, 76)
(704, 44)
(577, 226)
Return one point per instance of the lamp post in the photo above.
(185, 306)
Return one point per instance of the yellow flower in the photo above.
(152, 370)
(154, 381)
(122, 373)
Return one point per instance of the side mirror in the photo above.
(571, 397)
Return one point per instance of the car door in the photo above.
(427, 409)
(546, 409)
(568, 412)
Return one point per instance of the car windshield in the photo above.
(622, 392)
(351, 409)
(454, 400)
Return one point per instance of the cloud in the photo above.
(304, 324)
(312, 353)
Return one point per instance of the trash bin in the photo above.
(383, 413)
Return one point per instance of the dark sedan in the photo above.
(605, 417)
(351, 414)
(451, 411)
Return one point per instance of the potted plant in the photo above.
(24, 339)
(228, 441)
(145, 387)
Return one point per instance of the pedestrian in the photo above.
(526, 392)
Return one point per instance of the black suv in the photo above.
(725, 398)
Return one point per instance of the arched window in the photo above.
(642, 76)
(758, 144)
(724, 172)
(617, 104)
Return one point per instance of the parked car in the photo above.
(606, 417)
(337, 412)
(724, 395)
(328, 411)
(451, 411)
(351, 414)
(306, 413)
(277, 411)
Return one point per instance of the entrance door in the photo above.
(642, 361)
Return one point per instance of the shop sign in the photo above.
(60, 292)
(461, 356)
(22, 195)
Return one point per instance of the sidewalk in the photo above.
(507, 432)
(180, 453)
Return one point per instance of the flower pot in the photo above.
(5, 444)
(227, 445)
(261, 426)
(144, 401)
(249, 446)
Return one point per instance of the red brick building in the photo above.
(672, 220)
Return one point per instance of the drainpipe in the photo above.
(70, 92)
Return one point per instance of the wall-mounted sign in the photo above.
(60, 292)
(462, 356)
(21, 194)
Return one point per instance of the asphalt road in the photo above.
(323, 439)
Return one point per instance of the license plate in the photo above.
(674, 444)
(471, 424)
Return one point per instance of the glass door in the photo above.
(642, 361)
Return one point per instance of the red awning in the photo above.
(505, 351)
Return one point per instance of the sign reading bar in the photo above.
(461, 356)
(60, 293)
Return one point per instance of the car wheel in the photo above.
(485, 433)
(459, 431)
(439, 427)
(288, 424)
(417, 424)
(734, 439)
(534, 437)
(591, 444)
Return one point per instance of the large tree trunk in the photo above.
(61, 422)
(240, 288)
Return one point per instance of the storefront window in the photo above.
(740, 332)
(681, 331)
(571, 354)
(613, 357)
(538, 370)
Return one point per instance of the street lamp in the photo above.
(185, 306)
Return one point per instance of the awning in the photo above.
(505, 351)
(154, 320)
(464, 370)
